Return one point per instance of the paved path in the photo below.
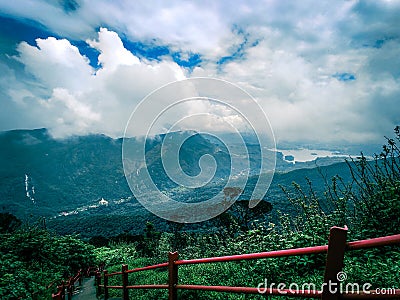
(87, 291)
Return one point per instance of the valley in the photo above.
(78, 183)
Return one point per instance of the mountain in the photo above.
(43, 176)
(159, 157)
(64, 174)
(82, 178)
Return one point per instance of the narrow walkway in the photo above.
(87, 291)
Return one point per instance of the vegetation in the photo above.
(369, 205)
(33, 260)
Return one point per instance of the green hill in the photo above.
(66, 179)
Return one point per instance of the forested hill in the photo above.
(41, 176)
(120, 217)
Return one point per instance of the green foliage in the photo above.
(240, 216)
(369, 205)
(245, 216)
(32, 258)
(9, 223)
(116, 254)
(377, 190)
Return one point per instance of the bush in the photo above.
(32, 258)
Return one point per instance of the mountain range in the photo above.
(83, 176)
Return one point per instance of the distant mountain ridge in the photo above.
(42, 176)
(65, 173)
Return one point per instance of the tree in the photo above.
(9, 223)
(99, 241)
(150, 238)
(245, 215)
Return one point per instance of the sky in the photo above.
(322, 71)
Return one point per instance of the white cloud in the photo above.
(305, 102)
(55, 63)
(286, 55)
(81, 100)
(72, 116)
(112, 51)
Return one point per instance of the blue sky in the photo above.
(323, 71)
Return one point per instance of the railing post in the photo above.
(59, 294)
(172, 276)
(98, 282)
(125, 291)
(80, 275)
(105, 284)
(334, 263)
(70, 288)
(62, 290)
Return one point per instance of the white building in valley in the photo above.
(103, 202)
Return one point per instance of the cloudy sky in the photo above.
(323, 71)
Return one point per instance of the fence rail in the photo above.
(336, 248)
(67, 286)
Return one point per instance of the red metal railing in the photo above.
(69, 286)
(335, 250)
